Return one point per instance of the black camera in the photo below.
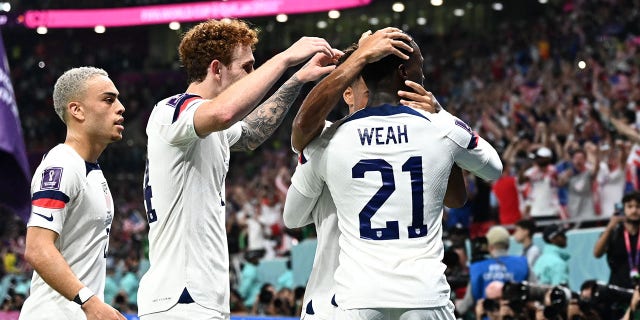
(603, 299)
(559, 301)
(518, 293)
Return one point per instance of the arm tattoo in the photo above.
(265, 119)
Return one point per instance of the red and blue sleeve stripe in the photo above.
(50, 199)
(301, 158)
(474, 141)
(182, 104)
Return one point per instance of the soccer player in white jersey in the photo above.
(190, 136)
(322, 211)
(72, 207)
(385, 168)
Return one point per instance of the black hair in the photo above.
(347, 53)
(634, 195)
(374, 72)
(527, 224)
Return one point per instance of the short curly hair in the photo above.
(210, 40)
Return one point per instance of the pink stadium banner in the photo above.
(195, 11)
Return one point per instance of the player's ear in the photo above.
(214, 68)
(347, 95)
(75, 110)
(402, 72)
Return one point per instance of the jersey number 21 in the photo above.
(391, 231)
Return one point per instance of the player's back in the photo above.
(184, 200)
(387, 168)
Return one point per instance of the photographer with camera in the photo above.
(499, 266)
(621, 243)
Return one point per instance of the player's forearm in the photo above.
(235, 102)
(456, 195)
(601, 244)
(491, 168)
(297, 209)
(310, 118)
(49, 263)
(267, 117)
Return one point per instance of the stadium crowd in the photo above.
(557, 95)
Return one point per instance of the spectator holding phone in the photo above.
(621, 243)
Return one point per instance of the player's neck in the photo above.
(383, 97)
(203, 89)
(87, 150)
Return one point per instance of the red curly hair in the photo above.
(213, 40)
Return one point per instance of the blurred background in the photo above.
(526, 75)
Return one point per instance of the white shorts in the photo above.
(187, 311)
(437, 313)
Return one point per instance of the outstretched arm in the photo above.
(267, 117)
(240, 98)
(325, 95)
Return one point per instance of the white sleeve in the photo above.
(483, 160)
(308, 177)
(473, 153)
(234, 132)
(327, 124)
(179, 128)
(297, 209)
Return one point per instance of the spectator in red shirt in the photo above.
(505, 189)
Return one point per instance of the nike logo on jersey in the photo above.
(48, 218)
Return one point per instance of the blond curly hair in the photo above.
(211, 40)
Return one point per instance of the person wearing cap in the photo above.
(552, 267)
(541, 187)
(499, 266)
(523, 234)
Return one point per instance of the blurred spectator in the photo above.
(611, 179)
(523, 234)
(541, 193)
(579, 179)
(552, 267)
(249, 282)
(499, 266)
(264, 302)
(505, 189)
(285, 280)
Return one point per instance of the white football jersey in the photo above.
(387, 169)
(184, 199)
(319, 290)
(70, 197)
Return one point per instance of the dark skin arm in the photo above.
(309, 121)
(456, 195)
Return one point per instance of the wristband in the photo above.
(83, 295)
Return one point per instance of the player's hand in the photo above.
(420, 98)
(304, 48)
(95, 309)
(319, 65)
(383, 43)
